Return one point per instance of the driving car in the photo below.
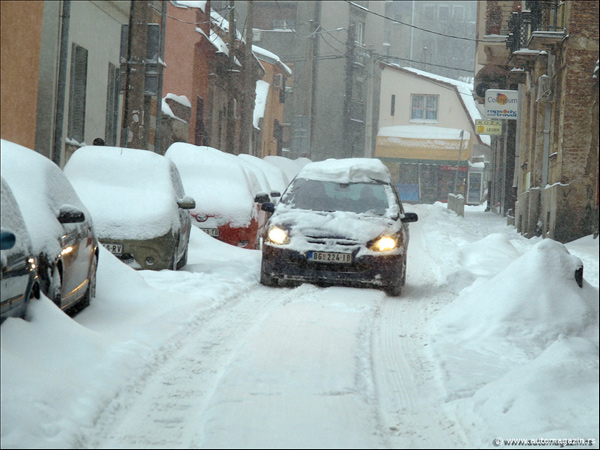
(18, 264)
(339, 222)
(228, 197)
(138, 204)
(60, 226)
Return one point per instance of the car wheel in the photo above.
(394, 289)
(267, 280)
(403, 276)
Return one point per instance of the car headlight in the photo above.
(385, 244)
(278, 235)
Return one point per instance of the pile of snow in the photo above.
(520, 342)
(260, 102)
(126, 203)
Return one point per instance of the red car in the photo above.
(228, 197)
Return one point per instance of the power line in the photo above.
(410, 25)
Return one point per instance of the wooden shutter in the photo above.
(77, 93)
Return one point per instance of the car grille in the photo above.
(332, 240)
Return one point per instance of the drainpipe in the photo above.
(547, 125)
(157, 135)
(62, 83)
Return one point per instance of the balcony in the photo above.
(539, 28)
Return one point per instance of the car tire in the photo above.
(267, 280)
(394, 289)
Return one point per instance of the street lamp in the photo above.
(462, 132)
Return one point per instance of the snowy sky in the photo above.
(492, 338)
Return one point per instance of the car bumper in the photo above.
(286, 266)
(151, 254)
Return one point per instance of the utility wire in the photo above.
(410, 25)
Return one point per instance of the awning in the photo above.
(422, 149)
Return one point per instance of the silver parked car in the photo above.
(60, 227)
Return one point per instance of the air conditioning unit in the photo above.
(256, 35)
(544, 89)
(278, 81)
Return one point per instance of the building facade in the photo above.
(427, 136)
(546, 164)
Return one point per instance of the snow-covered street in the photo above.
(206, 357)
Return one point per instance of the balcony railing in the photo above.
(543, 15)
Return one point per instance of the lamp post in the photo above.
(462, 132)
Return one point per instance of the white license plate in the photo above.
(330, 257)
(214, 232)
(115, 249)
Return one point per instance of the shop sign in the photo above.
(501, 104)
(491, 127)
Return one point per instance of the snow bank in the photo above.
(521, 329)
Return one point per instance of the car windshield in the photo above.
(334, 196)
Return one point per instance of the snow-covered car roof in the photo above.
(41, 189)
(277, 177)
(289, 166)
(130, 192)
(261, 178)
(216, 180)
(347, 170)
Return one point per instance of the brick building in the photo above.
(545, 169)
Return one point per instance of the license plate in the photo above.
(214, 232)
(330, 257)
(115, 249)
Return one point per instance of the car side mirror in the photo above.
(262, 197)
(275, 194)
(70, 214)
(268, 207)
(8, 240)
(410, 217)
(186, 202)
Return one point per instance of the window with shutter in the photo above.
(77, 93)
(112, 105)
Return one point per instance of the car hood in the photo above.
(338, 226)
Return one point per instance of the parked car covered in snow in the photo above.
(60, 226)
(228, 197)
(138, 203)
(276, 177)
(340, 222)
(18, 264)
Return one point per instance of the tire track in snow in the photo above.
(154, 411)
(410, 395)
